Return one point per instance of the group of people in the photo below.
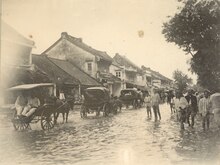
(185, 107)
(26, 104)
(153, 102)
(190, 106)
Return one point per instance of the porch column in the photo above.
(55, 90)
(79, 89)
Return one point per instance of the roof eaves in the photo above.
(63, 70)
(54, 44)
(78, 42)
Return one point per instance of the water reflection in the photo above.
(127, 138)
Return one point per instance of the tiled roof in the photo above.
(76, 72)
(116, 64)
(55, 73)
(155, 74)
(123, 61)
(160, 76)
(79, 43)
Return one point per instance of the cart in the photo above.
(45, 113)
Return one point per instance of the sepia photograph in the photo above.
(110, 82)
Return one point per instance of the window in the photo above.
(89, 66)
(118, 74)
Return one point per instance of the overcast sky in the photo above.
(106, 25)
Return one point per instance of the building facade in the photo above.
(94, 62)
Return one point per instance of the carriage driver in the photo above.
(32, 105)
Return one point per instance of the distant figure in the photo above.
(170, 100)
(204, 109)
(20, 103)
(147, 101)
(118, 102)
(176, 102)
(155, 104)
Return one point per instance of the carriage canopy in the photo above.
(96, 94)
(29, 86)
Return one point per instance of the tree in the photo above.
(182, 80)
(196, 30)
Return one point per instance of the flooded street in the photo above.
(128, 138)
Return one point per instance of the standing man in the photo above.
(193, 107)
(182, 108)
(147, 101)
(155, 104)
(170, 97)
(204, 109)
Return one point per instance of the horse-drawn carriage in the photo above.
(46, 113)
(97, 99)
(129, 97)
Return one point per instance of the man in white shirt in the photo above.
(181, 105)
(20, 103)
(147, 101)
(204, 109)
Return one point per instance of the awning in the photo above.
(109, 77)
(30, 86)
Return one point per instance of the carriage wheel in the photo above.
(47, 120)
(21, 126)
(106, 110)
(83, 112)
(18, 124)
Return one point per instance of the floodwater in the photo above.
(128, 138)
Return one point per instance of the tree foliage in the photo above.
(182, 81)
(196, 29)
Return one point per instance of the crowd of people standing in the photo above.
(186, 106)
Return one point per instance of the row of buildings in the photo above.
(71, 64)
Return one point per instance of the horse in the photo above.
(62, 107)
